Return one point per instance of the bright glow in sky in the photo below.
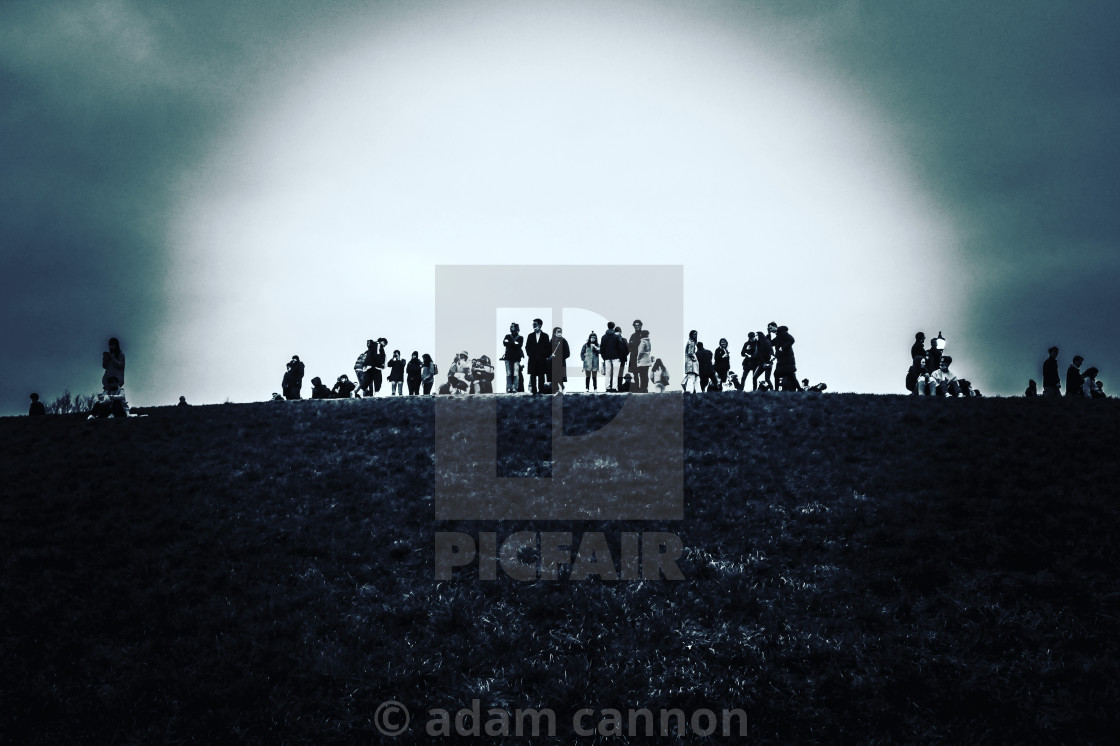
(550, 135)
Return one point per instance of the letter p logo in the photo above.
(631, 467)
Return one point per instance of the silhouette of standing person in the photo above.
(293, 379)
(428, 373)
(589, 355)
(691, 364)
(558, 370)
(396, 374)
(786, 369)
(613, 356)
(538, 348)
(642, 362)
(376, 361)
(413, 373)
(707, 368)
(762, 361)
(917, 356)
(1074, 379)
(632, 348)
(749, 353)
(363, 369)
(1051, 380)
(514, 345)
(112, 361)
(722, 361)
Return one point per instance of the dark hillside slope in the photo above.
(857, 568)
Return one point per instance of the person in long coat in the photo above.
(538, 348)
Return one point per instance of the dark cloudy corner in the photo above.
(105, 109)
(1009, 112)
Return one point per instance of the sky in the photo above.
(222, 186)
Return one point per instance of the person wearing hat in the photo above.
(343, 388)
(318, 389)
(293, 379)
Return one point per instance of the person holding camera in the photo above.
(413, 373)
(112, 360)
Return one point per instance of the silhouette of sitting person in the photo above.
(1089, 386)
(110, 402)
(343, 388)
(943, 380)
(482, 375)
(815, 387)
(319, 390)
(183, 402)
(659, 376)
(625, 385)
(37, 407)
(1032, 388)
(459, 376)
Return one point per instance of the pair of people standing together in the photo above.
(548, 357)
(618, 353)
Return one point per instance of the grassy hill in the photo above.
(857, 568)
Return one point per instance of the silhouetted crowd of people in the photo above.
(624, 364)
(1079, 384)
(929, 373)
(538, 363)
